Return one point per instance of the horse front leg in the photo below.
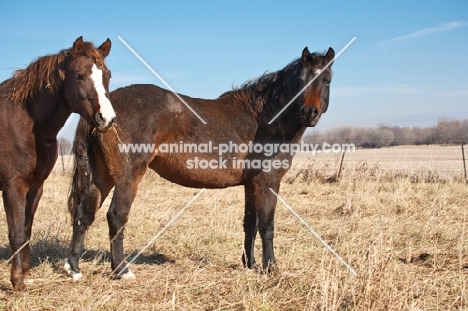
(83, 218)
(260, 205)
(117, 217)
(250, 227)
(264, 203)
(266, 225)
(14, 202)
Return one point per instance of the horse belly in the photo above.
(32, 169)
(198, 171)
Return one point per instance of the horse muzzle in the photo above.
(309, 116)
(102, 124)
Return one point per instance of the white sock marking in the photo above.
(75, 276)
(128, 276)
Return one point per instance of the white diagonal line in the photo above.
(17, 251)
(314, 233)
(160, 232)
(313, 79)
(161, 79)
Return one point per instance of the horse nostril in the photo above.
(309, 111)
(100, 118)
(313, 111)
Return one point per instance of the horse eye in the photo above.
(80, 77)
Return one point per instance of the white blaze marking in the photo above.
(106, 109)
(317, 71)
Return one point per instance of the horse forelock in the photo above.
(89, 51)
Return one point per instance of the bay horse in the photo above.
(34, 105)
(148, 114)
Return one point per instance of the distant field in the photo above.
(398, 216)
(446, 160)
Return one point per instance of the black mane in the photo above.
(270, 90)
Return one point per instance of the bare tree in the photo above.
(64, 148)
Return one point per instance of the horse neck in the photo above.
(281, 132)
(287, 126)
(49, 112)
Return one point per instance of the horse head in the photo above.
(316, 77)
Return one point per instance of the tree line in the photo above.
(445, 132)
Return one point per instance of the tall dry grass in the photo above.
(404, 232)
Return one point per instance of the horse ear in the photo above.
(77, 45)
(330, 55)
(305, 54)
(104, 49)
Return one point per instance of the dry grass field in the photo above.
(398, 216)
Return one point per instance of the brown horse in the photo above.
(34, 105)
(238, 120)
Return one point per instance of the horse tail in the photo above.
(82, 170)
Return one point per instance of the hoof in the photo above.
(20, 287)
(125, 276)
(74, 275)
(128, 276)
(251, 264)
(28, 281)
(272, 269)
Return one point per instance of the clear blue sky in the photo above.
(408, 65)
